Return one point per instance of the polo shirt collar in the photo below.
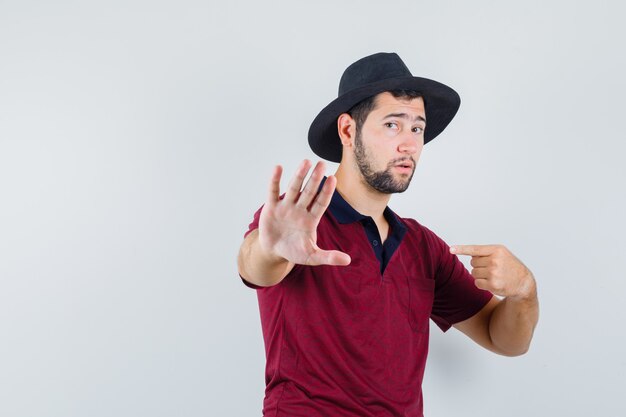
(345, 213)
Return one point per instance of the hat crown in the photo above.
(373, 68)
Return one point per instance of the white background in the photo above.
(137, 139)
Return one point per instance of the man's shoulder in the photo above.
(410, 223)
(417, 228)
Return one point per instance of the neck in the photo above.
(359, 194)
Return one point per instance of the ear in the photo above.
(346, 126)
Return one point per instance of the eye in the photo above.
(391, 125)
(417, 129)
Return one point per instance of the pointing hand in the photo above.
(497, 270)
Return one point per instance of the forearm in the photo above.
(513, 322)
(259, 267)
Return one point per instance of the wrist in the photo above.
(268, 255)
(527, 289)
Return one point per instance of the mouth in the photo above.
(405, 165)
(405, 169)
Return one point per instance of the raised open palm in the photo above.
(288, 226)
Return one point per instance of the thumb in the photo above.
(329, 257)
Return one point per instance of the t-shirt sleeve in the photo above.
(251, 227)
(456, 296)
(255, 222)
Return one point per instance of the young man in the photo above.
(345, 286)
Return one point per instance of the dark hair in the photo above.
(362, 109)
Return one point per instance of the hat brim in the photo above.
(441, 104)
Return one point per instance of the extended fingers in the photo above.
(312, 186)
(307, 198)
(322, 200)
(295, 185)
(274, 189)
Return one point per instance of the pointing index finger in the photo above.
(471, 250)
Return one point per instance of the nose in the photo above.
(410, 143)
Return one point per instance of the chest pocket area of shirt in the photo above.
(421, 295)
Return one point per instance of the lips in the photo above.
(405, 165)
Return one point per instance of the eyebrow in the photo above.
(404, 116)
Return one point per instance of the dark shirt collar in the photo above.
(345, 213)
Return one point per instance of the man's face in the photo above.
(388, 145)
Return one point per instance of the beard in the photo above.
(381, 181)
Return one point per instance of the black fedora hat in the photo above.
(372, 75)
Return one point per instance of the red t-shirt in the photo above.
(350, 341)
